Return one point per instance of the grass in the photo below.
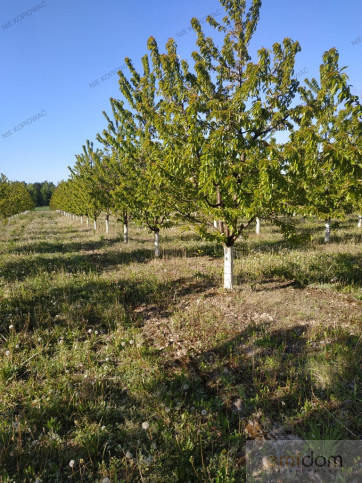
(98, 337)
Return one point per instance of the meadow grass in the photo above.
(118, 365)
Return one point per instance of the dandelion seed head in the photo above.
(11, 326)
(204, 412)
(145, 425)
(129, 455)
(71, 463)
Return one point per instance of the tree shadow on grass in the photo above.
(64, 247)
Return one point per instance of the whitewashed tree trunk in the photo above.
(95, 224)
(157, 244)
(359, 225)
(228, 267)
(327, 233)
(107, 223)
(257, 227)
(125, 233)
(215, 224)
(87, 220)
(81, 220)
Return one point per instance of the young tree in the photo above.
(325, 151)
(215, 125)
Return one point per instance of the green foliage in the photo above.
(14, 198)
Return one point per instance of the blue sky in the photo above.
(58, 63)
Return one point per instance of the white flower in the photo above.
(129, 455)
(11, 326)
(131, 342)
(96, 332)
(204, 412)
(145, 425)
(71, 463)
(123, 343)
(90, 331)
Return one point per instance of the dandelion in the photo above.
(185, 387)
(167, 410)
(90, 331)
(71, 463)
(106, 480)
(130, 342)
(7, 353)
(105, 368)
(145, 425)
(129, 455)
(96, 332)
(204, 412)
(123, 343)
(11, 327)
(17, 346)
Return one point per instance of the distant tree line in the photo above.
(41, 192)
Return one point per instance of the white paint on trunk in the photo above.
(157, 244)
(125, 233)
(87, 220)
(257, 228)
(359, 221)
(215, 224)
(81, 220)
(228, 267)
(95, 224)
(107, 224)
(327, 233)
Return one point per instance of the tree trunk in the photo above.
(215, 224)
(87, 220)
(327, 233)
(157, 243)
(125, 232)
(228, 267)
(257, 228)
(81, 220)
(95, 224)
(107, 224)
(359, 225)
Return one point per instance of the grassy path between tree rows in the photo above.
(117, 365)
